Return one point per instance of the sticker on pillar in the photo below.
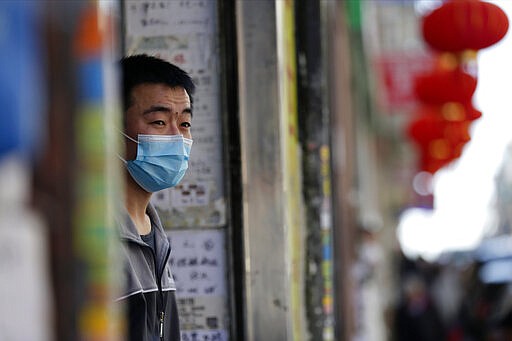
(192, 204)
(190, 194)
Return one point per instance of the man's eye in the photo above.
(186, 124)
(159, 122)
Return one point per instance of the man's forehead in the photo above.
(180, 93)
(176, 94)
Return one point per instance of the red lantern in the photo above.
(422, 132)
(438, 141)
(430, 124)
(432, 165)
(443, 86)
(460, 25)
(458, 112)
(436, 153)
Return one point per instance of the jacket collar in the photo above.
(128, 232)
(127, 229)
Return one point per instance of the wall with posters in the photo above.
(194, 212)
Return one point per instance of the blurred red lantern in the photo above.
(437, 153)
(429, 164)
(460, 25)
(428, 129)
(441, 148)
(437, 140)
(457, 112)
(434, 122)
(443, 86)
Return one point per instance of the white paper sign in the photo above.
(151, 18)
(198, 262)
(204, 335)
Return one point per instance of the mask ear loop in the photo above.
(129, 138)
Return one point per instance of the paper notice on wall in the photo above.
(202, 313)
(204, 335)
(151, 18)
(198, 264)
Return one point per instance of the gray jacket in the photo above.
(149, 289)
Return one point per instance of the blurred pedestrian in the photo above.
(417, 318)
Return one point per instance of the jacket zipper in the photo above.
(162, 315)
(159, 275)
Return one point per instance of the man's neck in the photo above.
(136, 201)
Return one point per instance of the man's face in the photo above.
(157, 109)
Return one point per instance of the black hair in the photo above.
(142, 68)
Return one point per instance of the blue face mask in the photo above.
(161, 162)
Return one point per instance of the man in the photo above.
(157, 121)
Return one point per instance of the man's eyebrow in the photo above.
(156, 108)
(187, 111)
